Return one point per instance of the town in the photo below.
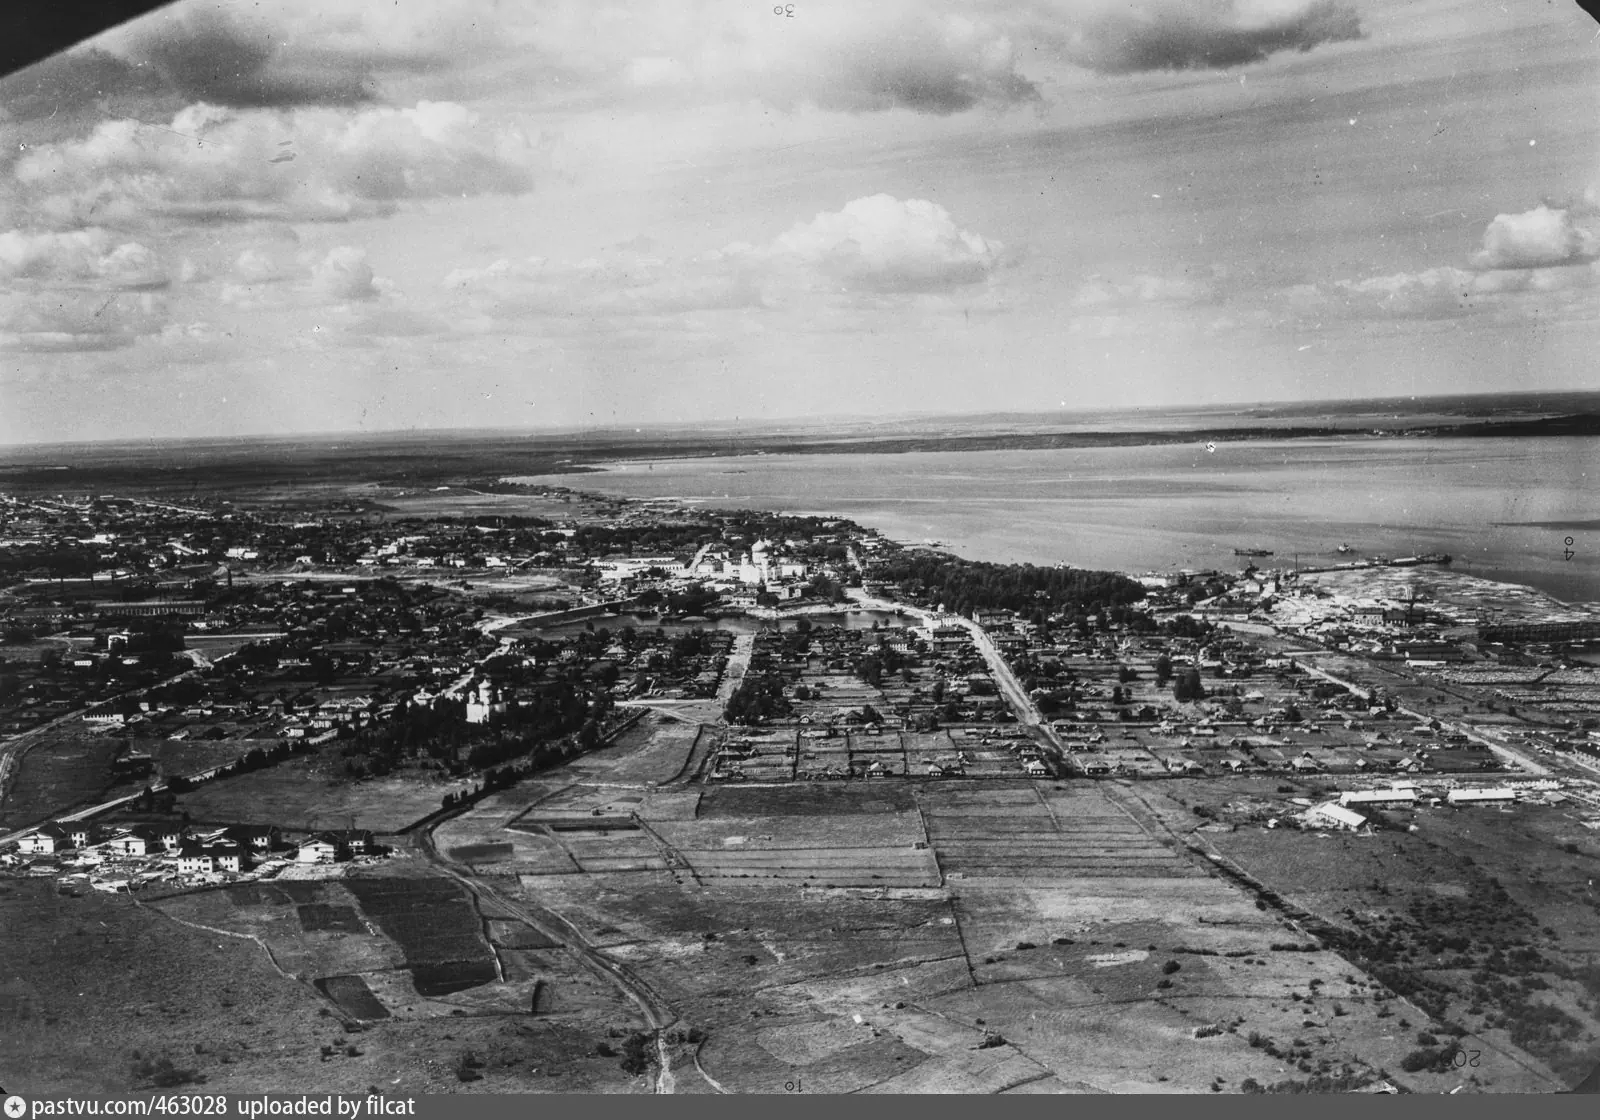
(322, 703)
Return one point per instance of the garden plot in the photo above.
(876, 850)
(518, 849)
(821, 799)
(610, 849)
(437, 927)
(1039, 836)
(1129, 759)
(314, 928)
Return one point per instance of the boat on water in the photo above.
(1252, 552)
(1344, 549)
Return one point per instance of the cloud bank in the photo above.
(926, 56)
(216, 164)
(86, 255)
(873, 247)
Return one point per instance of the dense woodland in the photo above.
(964, 586)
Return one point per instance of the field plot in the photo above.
(862, 848)
(596, 850)
(314, 928)
(654, 751)
(188, 756)
(1480, 918)
(65, 769)
(713, 948)
(437, 928)
(1033, 834)
(292, 797)
(353, 997)
(807, 800)
(1129, 758)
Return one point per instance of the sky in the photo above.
(236, 218)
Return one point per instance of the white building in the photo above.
(485, 705)
(1333, 815)
(1499, 794)
(1378, 797)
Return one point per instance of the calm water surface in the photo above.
(1502, 507)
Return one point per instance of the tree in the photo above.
(1163, 670)
(1188, 687)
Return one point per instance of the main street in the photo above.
(1021, 704)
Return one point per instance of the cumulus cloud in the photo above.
(344, 274)
(1537, 238)
(67, 320)
(217, 164)
(881, 243)
(87, 255)
(934, 56)
(1122, 38)
(872, 249)
(298, 52)
(1439, 292)
(258, 266)
(272, 276)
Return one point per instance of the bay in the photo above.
(1503, 508)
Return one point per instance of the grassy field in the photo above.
(290, 796)
(66, 769)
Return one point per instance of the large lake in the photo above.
(1502, 507)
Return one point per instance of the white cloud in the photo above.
(215, 164)
(87, 255)
(936, 56)
(873, 249)
(881, 243)
(927, 56)
(1537, 238)
(344, 274)
(257, 265)
(67, 320)
(1122, 37)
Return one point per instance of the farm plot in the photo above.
(530, 851)
(989, 761)
(806, 800)
(610, 849)
(436, 926)
(1023, 834)
(313, 927)
(353, 997)
(875, 753)
(857, 850)
(715, 949)
(1129, 759)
